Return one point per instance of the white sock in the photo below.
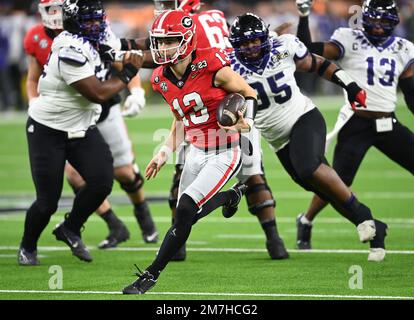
(305, 220)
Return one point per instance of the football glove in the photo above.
(134, 103)
(356, 96)
(304, 7)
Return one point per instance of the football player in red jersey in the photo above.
(193, 82)
(213, 32)
(37, 44)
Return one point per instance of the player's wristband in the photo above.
(127, 73)
(167, 150)
(340, 77)
(251, 108)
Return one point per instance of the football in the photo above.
(227, 111)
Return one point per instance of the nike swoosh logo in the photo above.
(194, 75)
(152, 237)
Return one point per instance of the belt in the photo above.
(373, 114)
(79, 134)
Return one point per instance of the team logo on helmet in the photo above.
(187, 22)
(72, 6)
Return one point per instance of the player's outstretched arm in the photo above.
(327, 49)
(406, 84)
(326, 69)
(100, 91)
(232, 82)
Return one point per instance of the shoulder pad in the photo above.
(72, 55)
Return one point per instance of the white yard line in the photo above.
(215, 294)
(229, 250)
(213, 219)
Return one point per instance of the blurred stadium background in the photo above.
(132, 18)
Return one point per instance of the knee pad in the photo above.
(133, 186)
(172, 198)
(265, 197)
(186, 211)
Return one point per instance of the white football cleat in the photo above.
(376, 254)
(366, 230)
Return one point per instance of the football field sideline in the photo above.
(215, 294)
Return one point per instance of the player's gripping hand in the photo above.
(241, 125)
(155, 165)
(134, 103)
(304, 7)
(356, 96)
(133, 57)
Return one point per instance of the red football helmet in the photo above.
(51, 13)
(176, 28)
(189, 5)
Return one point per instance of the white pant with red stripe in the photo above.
(205, 173)
(251, 164)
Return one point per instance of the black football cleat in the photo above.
(276, 249)
(26, 258)
(304, 232)
(117, 234)
(144, 283)
(73, 241)
(228, 210)
(180, 255)
(377, 251)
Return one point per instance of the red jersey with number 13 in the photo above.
(194, 98)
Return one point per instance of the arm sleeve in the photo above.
(303, 31)
(304, 35)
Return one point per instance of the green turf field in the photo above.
(226, 259)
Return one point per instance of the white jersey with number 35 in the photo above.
(281, 102)
(375, 68)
